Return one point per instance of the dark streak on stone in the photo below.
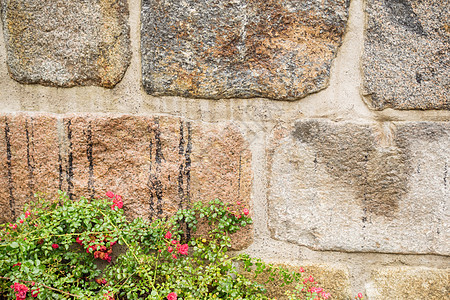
(90, 158)
(184, 176)
(181, 194)
(60, 169)
(29, 159)
(9, 164)
(149, 183)
(158, 158)
(69, 170)
(154, 183)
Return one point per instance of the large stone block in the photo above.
(158, 164)
(361, 187)
(67, 42)
(406, 54)
(412, 283)
(279, 49)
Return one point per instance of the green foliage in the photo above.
(54, 249)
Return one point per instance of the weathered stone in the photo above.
(279, 49)
(412, 283)
(406, 54)
(334, 280)
(67, 42)
(158, 164)
(28, 161)
(361, 188)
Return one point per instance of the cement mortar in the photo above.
(256, 118)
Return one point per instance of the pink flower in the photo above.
(360, 295)
(55, 246)
(238, 203)
(27, 214)
(172, 296)
(246, 212)
(302, 270)
(13, 226)
(183, 249)
(174, 242)
(170, 249)
(168, 235)
(311, 278)
(110, 195)
(21, 290)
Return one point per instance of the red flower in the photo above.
(21, 221)
(168, 235)
(172, 296)
(174, 256)
(170, 249)
(27, 214)
(360, 296)
(79, 241)
(13, 226)
(18, 264)
(183, 249)
(110, 195)
(302, 270)
(174, 242)
(238, 203)
(311, 278)
(21, 290)
(35, 293)
(246, 212)
(55, 246)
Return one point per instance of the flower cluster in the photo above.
(117, 200)
(21, 290)
(99, 251)
(181, 249)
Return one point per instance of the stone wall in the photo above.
(330, 119)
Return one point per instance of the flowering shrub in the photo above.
(54, 249)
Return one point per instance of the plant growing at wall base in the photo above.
(54, 248)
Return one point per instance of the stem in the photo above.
(45, 286)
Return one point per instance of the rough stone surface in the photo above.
(67, 42)
(334, 280)
(361, 187)
(412, 283)
(28, 161)
(158, 164)
(279, 49)
(406, 54)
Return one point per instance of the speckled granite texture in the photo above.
(406, 60)
(67, 43)
(278, 49)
